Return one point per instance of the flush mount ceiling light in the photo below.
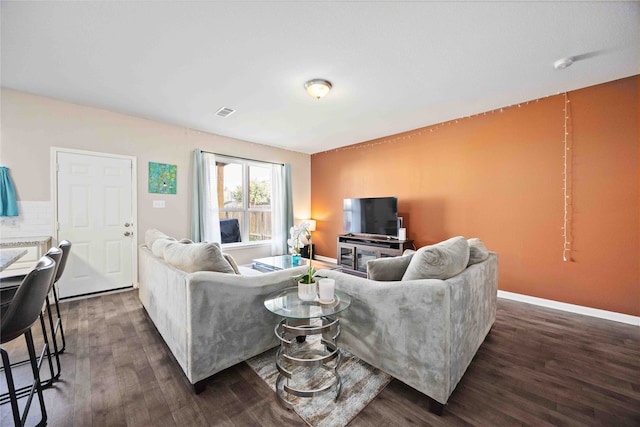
(318, 87)
(562, 63)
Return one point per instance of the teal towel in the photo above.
(8, 203)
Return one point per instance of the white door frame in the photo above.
(134, 197)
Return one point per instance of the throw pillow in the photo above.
(151, 235)
(440, 261)
(478, 252)
(196, 257)
(157, 248)
(232, 262)
(388, 269)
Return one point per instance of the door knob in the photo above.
(126, 233)
(126, 224)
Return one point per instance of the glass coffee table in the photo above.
(308, 358)
(285, 262)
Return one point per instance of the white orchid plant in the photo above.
(301, 236)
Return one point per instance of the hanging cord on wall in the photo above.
(566, 181)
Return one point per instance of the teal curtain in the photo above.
(281, 208)
(287, 204)
(205, 222)
(8, 203)
(197, 199)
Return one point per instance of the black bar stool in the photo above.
(8, 290)
(65, 247)
(8, 286)
(21, 313)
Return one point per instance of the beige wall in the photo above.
(32, 124)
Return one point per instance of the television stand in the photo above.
(355, 250)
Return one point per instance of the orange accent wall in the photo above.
(499, 176)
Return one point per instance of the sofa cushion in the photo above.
(478, 252)
(157, 248)
(151, 235)
(388, 269)
(440, 261)
(197, 257)
(232, 263)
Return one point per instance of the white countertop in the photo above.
(13, 242)
(9, 256)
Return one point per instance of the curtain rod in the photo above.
(241, 158)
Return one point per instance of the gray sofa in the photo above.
(424, 332)
(209, 320)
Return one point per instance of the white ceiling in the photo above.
(394, 65)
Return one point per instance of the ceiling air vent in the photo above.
(225, 112)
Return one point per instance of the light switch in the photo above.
(158, 203)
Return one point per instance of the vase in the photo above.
(295, 259)
(307, 291)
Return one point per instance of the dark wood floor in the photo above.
(537, 367)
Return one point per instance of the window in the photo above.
(245, 192)
(238, 200)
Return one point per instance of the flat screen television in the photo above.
(372, 215)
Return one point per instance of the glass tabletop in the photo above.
(281, 262)
(286, 303)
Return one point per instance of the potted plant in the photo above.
(296, 241)
(307, 287)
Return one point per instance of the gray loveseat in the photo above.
(424, 332)
(208, 319)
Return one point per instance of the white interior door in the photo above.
(95, 214)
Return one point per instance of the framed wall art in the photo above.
(162, 178)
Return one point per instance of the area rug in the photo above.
(361, 383)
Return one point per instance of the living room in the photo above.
(549, 182)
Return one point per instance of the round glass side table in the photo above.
(308, 358)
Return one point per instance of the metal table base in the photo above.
(294, 355)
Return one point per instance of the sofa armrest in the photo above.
(399, 327)
(473, 312)
(162, 292)
(227, 320)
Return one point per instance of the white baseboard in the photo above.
(572, 308)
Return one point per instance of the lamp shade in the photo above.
(312, 224)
